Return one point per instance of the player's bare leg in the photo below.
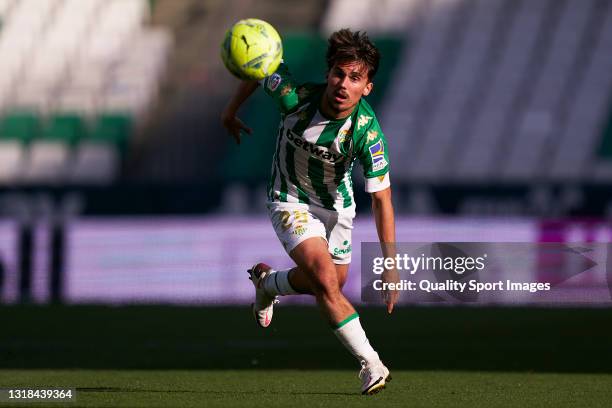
(269, 284)
(301, 282)
(317, 274)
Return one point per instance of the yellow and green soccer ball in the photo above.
(252, 49)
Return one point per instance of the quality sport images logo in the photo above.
(550, 273)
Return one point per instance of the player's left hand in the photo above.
(390, 297)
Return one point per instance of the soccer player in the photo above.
(324, 128)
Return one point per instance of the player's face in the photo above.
(346, 84)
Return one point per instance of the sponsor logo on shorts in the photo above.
(377, 152)
(274, 81)
(343, 251)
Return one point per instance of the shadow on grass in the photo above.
(223, 338)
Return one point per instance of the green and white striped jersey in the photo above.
(314, 155)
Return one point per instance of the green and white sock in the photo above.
(277, 283)
(353, 337)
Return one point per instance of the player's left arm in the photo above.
(382, 207)
(371, 149)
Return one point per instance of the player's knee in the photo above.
(325, 283)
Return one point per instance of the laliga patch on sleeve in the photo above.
(274, 81)
(379, 165)
(377, 153)
(377, 149)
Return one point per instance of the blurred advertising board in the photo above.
(203, 260)
(9, 264)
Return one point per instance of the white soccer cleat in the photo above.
(373, 378)
(264, 303)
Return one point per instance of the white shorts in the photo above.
(296, 222)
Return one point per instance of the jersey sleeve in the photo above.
(372, 153)
(282, 88)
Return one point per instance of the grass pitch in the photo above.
(328, 388)
(159, 356)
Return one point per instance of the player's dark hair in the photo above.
(345, 46)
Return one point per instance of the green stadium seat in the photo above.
(69, 128)
(23, 126)
(113, 128)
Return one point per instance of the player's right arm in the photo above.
(230, 121)
(280, 86)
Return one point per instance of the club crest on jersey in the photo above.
(363, 120)
(371, 135)
(342, 135)
(274, 81)
(377, 153)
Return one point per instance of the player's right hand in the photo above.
(234, 126)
